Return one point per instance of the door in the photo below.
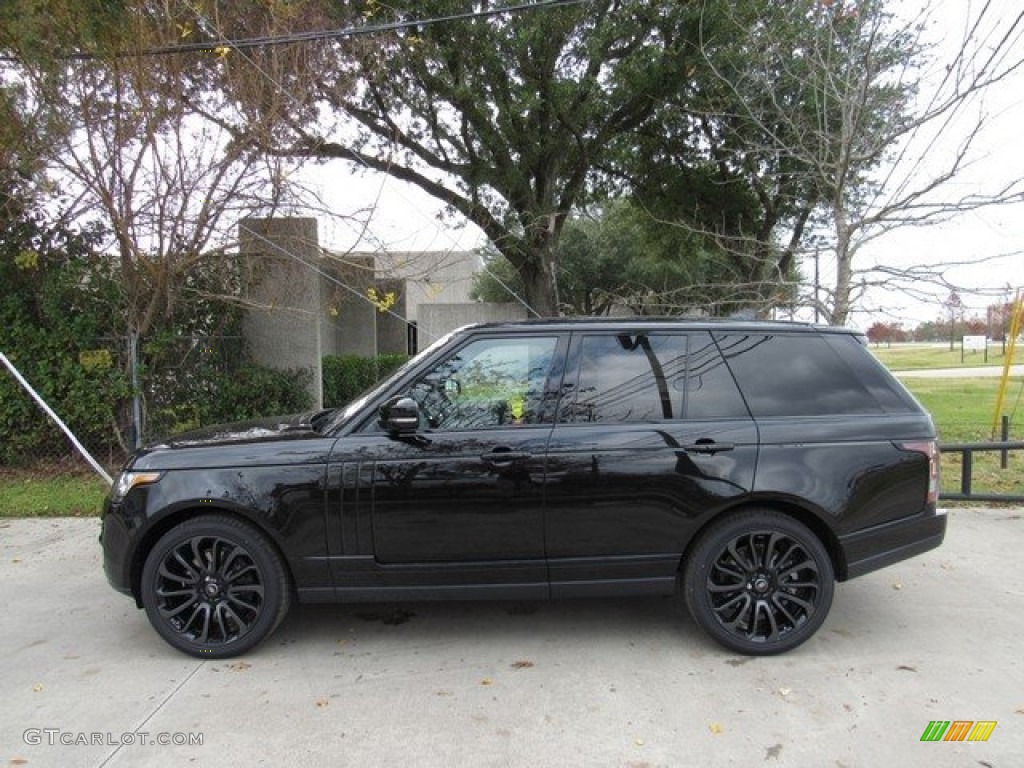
(469, 485)
(652, 436)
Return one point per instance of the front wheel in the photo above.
(214, 587)
(759, 582)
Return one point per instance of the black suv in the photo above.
(748, 465)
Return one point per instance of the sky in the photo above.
(992, 240)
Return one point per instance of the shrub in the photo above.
(345, 377)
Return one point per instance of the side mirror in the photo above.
(400, 416)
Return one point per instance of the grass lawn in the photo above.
(962, 410)
(41, 494)
(910, 357)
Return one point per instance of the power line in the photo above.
(273, 81)
(361, 30)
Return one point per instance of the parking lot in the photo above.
(576, 683)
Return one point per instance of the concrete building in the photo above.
(305, 303)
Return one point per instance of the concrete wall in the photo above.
(306, 304)
(392, 326)
(430, 277)
(435, 320)
(348, 320)
(282, 325)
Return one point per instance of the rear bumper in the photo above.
(883, 545)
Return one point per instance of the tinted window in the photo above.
(627, 377)
(649, 377)
(794, 375)
(711, 392)
(880, 383)
(487, 383)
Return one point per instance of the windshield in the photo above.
(356, 406)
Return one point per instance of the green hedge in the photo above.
(213, 395)
(345, 377)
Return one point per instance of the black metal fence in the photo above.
(967, 451)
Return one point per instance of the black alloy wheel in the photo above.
(214, 587)
(759, 582)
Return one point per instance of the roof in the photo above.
(641, 323)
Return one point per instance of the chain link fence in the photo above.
(121, 392)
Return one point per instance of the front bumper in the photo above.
(116, 543)
(883, 545)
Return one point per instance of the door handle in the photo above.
(707, 446)
(504, 456)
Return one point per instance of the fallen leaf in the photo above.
(785, 691)
(321, 703)
(897, 586)
(638, 742)
(18, 761)
(486, 681)
(715, 728)
(521, 664)
(240, 666)
(907, 668)
(38, 687)
(1020, 710)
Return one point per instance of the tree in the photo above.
(136, 154)
(698, 166)
(160, 188)
(619, 256)
(835, 106)
(502, 116)
(886, 333)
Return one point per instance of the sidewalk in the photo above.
(988, 371)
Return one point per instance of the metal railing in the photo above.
(967, 451)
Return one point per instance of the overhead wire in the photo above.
(362, 30)
(288, 95)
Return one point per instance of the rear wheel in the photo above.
(214, 587)
(759, 582)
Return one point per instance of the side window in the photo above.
(794, 375)
(889, 393)
(487, 383)
(711, 391)
(627, 378)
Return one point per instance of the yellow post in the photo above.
(1011, 345)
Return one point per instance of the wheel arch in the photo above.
(190, 512)
(802, 515)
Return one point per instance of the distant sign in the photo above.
(975, 342)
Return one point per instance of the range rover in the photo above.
(745, 466)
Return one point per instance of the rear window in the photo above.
(794, 375)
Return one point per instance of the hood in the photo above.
(294, 426)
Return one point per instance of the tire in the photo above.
(214, 587)
(759, 582)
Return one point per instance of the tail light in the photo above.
(929, 448)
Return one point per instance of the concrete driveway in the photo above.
(583, 683)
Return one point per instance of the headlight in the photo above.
(128, 480)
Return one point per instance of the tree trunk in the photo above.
(540, 284)
(844, 269)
